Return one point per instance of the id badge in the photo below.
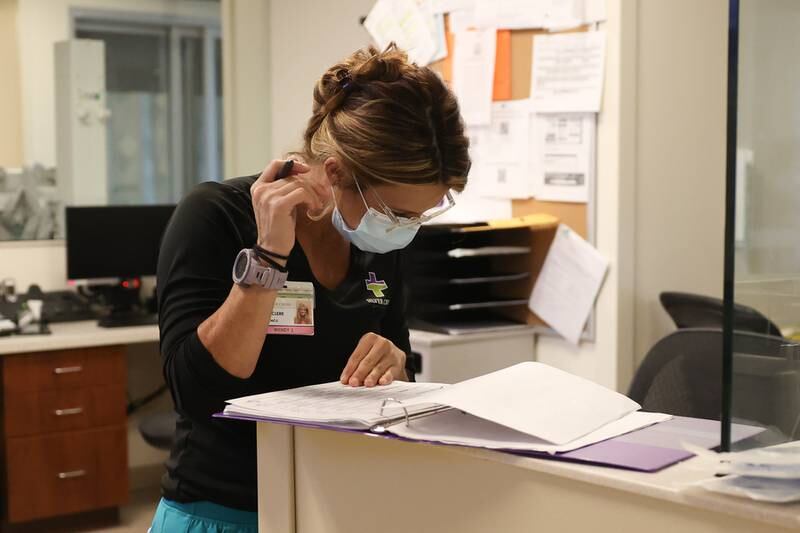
(293, 312)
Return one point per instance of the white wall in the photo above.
(11, 132)
(680, 156)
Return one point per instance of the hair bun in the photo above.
(386, 66)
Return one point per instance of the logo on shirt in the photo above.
(376, 287)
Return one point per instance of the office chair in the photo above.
(158, 430)
(682, 373)
(696, 311)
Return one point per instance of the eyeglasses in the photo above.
(401, 222)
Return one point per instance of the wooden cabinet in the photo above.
(64, 432)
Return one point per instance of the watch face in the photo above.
(240, 267)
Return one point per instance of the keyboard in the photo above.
(66, 306)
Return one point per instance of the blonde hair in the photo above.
(388, 120)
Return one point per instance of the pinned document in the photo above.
(500, 151)
(567, 73)
(568, 284)
(473, 74)
(563, 161)
(509, 14)
(403, 22)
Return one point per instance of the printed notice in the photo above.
(567, 73)
(568, 284)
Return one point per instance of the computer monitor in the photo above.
(113, 243)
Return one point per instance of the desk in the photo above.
(63, 423)
(319, 481)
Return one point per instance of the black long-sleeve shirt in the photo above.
(215, 459)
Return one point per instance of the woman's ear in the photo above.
(333, 171)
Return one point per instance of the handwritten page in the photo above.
(331, 402)
(567, 73)
(563, 152)
(568, 284)
(403, 22)
(473, 74)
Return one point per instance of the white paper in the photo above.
(471, 207)
(538, 400)
(462, 20)
(473, 74)
(403, 22)
(563, 14)
(435, 22)
(332, 403)
(567, 73)
(594, 11)
(446, 6)
(500, 151)
(756, 488)
(509, 14)
(459, 428)
(562, 150)
(568, 284)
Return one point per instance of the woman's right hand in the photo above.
(275, 205)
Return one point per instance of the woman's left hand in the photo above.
(375, 361)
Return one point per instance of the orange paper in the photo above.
(447, 63)
(502, 67)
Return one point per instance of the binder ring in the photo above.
(402, 406)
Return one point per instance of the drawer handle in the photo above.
(68, 411)
(67, 369)
(71, 474)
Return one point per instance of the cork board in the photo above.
(575, 215)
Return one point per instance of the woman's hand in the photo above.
(375, 361)
(275, 205)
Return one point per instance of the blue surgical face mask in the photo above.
(371, 234)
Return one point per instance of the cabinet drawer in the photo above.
(80, 367)
(66, 473)
(32, 413)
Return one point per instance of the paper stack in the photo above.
(770, 474)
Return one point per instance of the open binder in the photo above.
(529, 407)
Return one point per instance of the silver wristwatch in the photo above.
(248, 270)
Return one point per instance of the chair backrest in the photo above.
(697, 311)
(682, 373)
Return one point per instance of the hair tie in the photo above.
(346, 83)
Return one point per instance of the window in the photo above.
(164, 91)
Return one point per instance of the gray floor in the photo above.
(137, 515)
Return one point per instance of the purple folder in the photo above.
(649, 449)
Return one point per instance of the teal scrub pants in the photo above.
(201, 517)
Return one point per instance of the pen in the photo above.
(285, 170)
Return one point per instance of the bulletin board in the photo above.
(514, 61)
(520, 44)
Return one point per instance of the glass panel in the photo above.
(195, 122)
(137, 84)
(765, 387)
(217, 173)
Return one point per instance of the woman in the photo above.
(302, 314)
(383, 147)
